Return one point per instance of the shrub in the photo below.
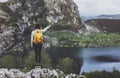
(8, 61)
(45, 60)
(66, 65)
(30, 60)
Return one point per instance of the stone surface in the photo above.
(36, 73)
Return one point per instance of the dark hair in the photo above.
(37, 26)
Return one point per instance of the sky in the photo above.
(3, 0)
(98, 7)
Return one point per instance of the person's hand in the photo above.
(50, 24)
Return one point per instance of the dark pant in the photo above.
(37, 49)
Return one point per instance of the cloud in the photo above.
(97, 7)
(3, 0)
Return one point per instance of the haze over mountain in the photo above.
(104, 16)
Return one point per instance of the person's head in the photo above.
(37, 26)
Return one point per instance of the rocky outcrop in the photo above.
(6, 37)
(63, 12)
(17, 18)
(36, 73)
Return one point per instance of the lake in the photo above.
(90, 59)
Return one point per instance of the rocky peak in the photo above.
(17, 18)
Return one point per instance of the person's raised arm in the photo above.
(46, 28)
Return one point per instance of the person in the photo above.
(38, 46)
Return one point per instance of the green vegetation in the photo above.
(100, 40)
(8, 61)
(103, 74)
(63, 34)
(46, 60)
(66, 65)
(69, 39)
(27, 62)
(16, 60)
(65, 38)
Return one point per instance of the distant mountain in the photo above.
(84, 18)
(105, 25)
(103, 16)
(117, 16)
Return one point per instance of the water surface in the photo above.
(90, 59)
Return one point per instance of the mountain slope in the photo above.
(107, 25)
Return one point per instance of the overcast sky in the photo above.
(97, 7)
(3, 0)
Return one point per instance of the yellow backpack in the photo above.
(38, 37)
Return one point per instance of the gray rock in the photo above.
(36, 73)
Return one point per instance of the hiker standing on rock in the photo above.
(37, 41)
